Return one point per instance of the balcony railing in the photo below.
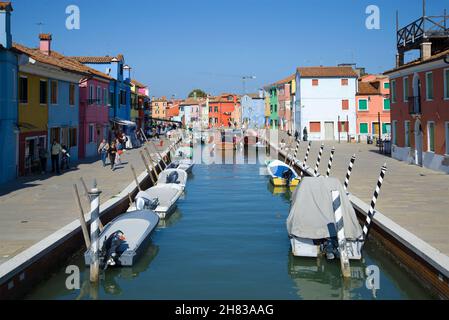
(414, 105)
(424, 27)
(93, 101)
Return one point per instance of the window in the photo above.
(387, 104)
(275, 108)
(429, 86)
(345, 104)
(386, 85)
(447, 138)
(99, 98)
(23, 90)
(405, 89)
(73, 138)
(215, 109)
(386, 128)
(105, 97)
(230, 98)
(122, 97)
(363, 104)
(393, 91)
(315, 82)
(54, 92)
(210, 109)
(446, 84)
(363, 128)
(343, 126)
(72, 94)
(431, 136)
(43, 92)
(315, 126)
(407, 133)
(344, 82)
(395, 140)
(111, 99)
(91, 94)
(91, 133)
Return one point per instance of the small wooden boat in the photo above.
(282, 174)
(122, 240)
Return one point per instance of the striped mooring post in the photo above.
(329, 165)
(369, 217)
(94, 195)
(317, 165)
(344, 260)
(348, 173)
(304, 163)
(295, 154)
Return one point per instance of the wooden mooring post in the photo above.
(147, 167)
(344, 259)
(152, 161)
(135, 178)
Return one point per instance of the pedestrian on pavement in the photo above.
(55, 151)
(65, 159)
(118, 156)
(43, 155)
(304, 134)
(112, 151)
(103, 151)
(296, 135)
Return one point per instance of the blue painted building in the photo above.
(253, 110)
(8, 97)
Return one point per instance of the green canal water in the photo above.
(228, 240)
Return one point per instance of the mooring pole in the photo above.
(348, 173)
(329, 165)
(82, 220)
(295, 154)
(159, 154)
(135, 178)
(304, 163)
(152, 160)
(344, 260)
(148, 168)
(369, 217)
(317, 165)
(94, 195)
(86, 191)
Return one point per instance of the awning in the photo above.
(26, 125)
(124, 122)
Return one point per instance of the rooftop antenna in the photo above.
(40, 24)
(424, 17)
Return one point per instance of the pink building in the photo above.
(284, 99)
(94, 113)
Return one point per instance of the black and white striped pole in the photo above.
(344, 259)
(295, 154)
(317, 165)
(329, 165)
(304, 163)
(94, 195)
(369, 217)
(348, 172)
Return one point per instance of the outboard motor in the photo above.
(173, 177)
(330, 248)
(146, 204)
(287, 175)
(110, 252)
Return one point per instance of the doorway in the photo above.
(418, 143)
(329, 131)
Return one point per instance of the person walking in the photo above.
(55, 151)
(118, 156)
(43, 155)
(112, 151)
(304, 134)
(103, 151)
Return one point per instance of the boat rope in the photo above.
(329, 165)
(369, 217)
(317, 165)
(304, 163)
(348, 173)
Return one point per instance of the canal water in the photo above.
(228, 240)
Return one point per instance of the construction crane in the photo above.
(243, 78)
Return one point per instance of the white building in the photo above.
(325, 102)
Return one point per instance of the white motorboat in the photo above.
(176, 176)
(182, 164)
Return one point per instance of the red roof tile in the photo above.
(327, 72)
(4, 5)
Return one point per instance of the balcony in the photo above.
(92, 101)
(414, 105)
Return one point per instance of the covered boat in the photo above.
(182, 164)
(311, 223)
(122, 240)
(282, 174)
(173, 176)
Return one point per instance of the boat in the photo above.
(182, 164)
(282, 174)
(311, 222)
(174, 176)
(123, 239)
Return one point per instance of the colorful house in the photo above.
(274, 106)
(373, 103)
(189, 111)
(172, 111)
(204, 113)
(140, 101)
(253, 110)
(158, 108)
(420, 98)
(8, 97)
(285, 92)
(221, 110)
(325, 102)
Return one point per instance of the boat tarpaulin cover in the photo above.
(312, 215)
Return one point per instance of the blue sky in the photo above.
(177, 45)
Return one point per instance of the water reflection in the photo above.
(174, 218)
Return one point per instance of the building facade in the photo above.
(221, 110)
(253, 110)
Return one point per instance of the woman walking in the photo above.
(112, 154)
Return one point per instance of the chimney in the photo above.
(45, 43)
(127, 72)
(426, 50)
(5, 24)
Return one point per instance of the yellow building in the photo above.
(158, 108)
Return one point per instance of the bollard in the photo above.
(344, 260)
(317, 165)
(329, 165)
(94, 195)
(348, 172)
(295, 153)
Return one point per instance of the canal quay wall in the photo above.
(425, 258)
(33, 265)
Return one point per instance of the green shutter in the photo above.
(386, 85)
(431, 137)
(363, 128)
(386, 128)
(363, 104)
(429, 86)
(386, 104)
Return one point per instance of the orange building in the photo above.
(222, 110)
(158, 108)
(372, 104)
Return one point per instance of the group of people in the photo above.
(57, 163)
(114, 150)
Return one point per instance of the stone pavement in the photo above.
(416, 198)
(32, 208)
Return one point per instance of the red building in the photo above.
(221, 110)
(420, 98)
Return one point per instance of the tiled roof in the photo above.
(286, 80)
(368, 88)
(5, 5)
(138, 84)
(327, 72)
(190, 102)
(101, 59)
(418, 62)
